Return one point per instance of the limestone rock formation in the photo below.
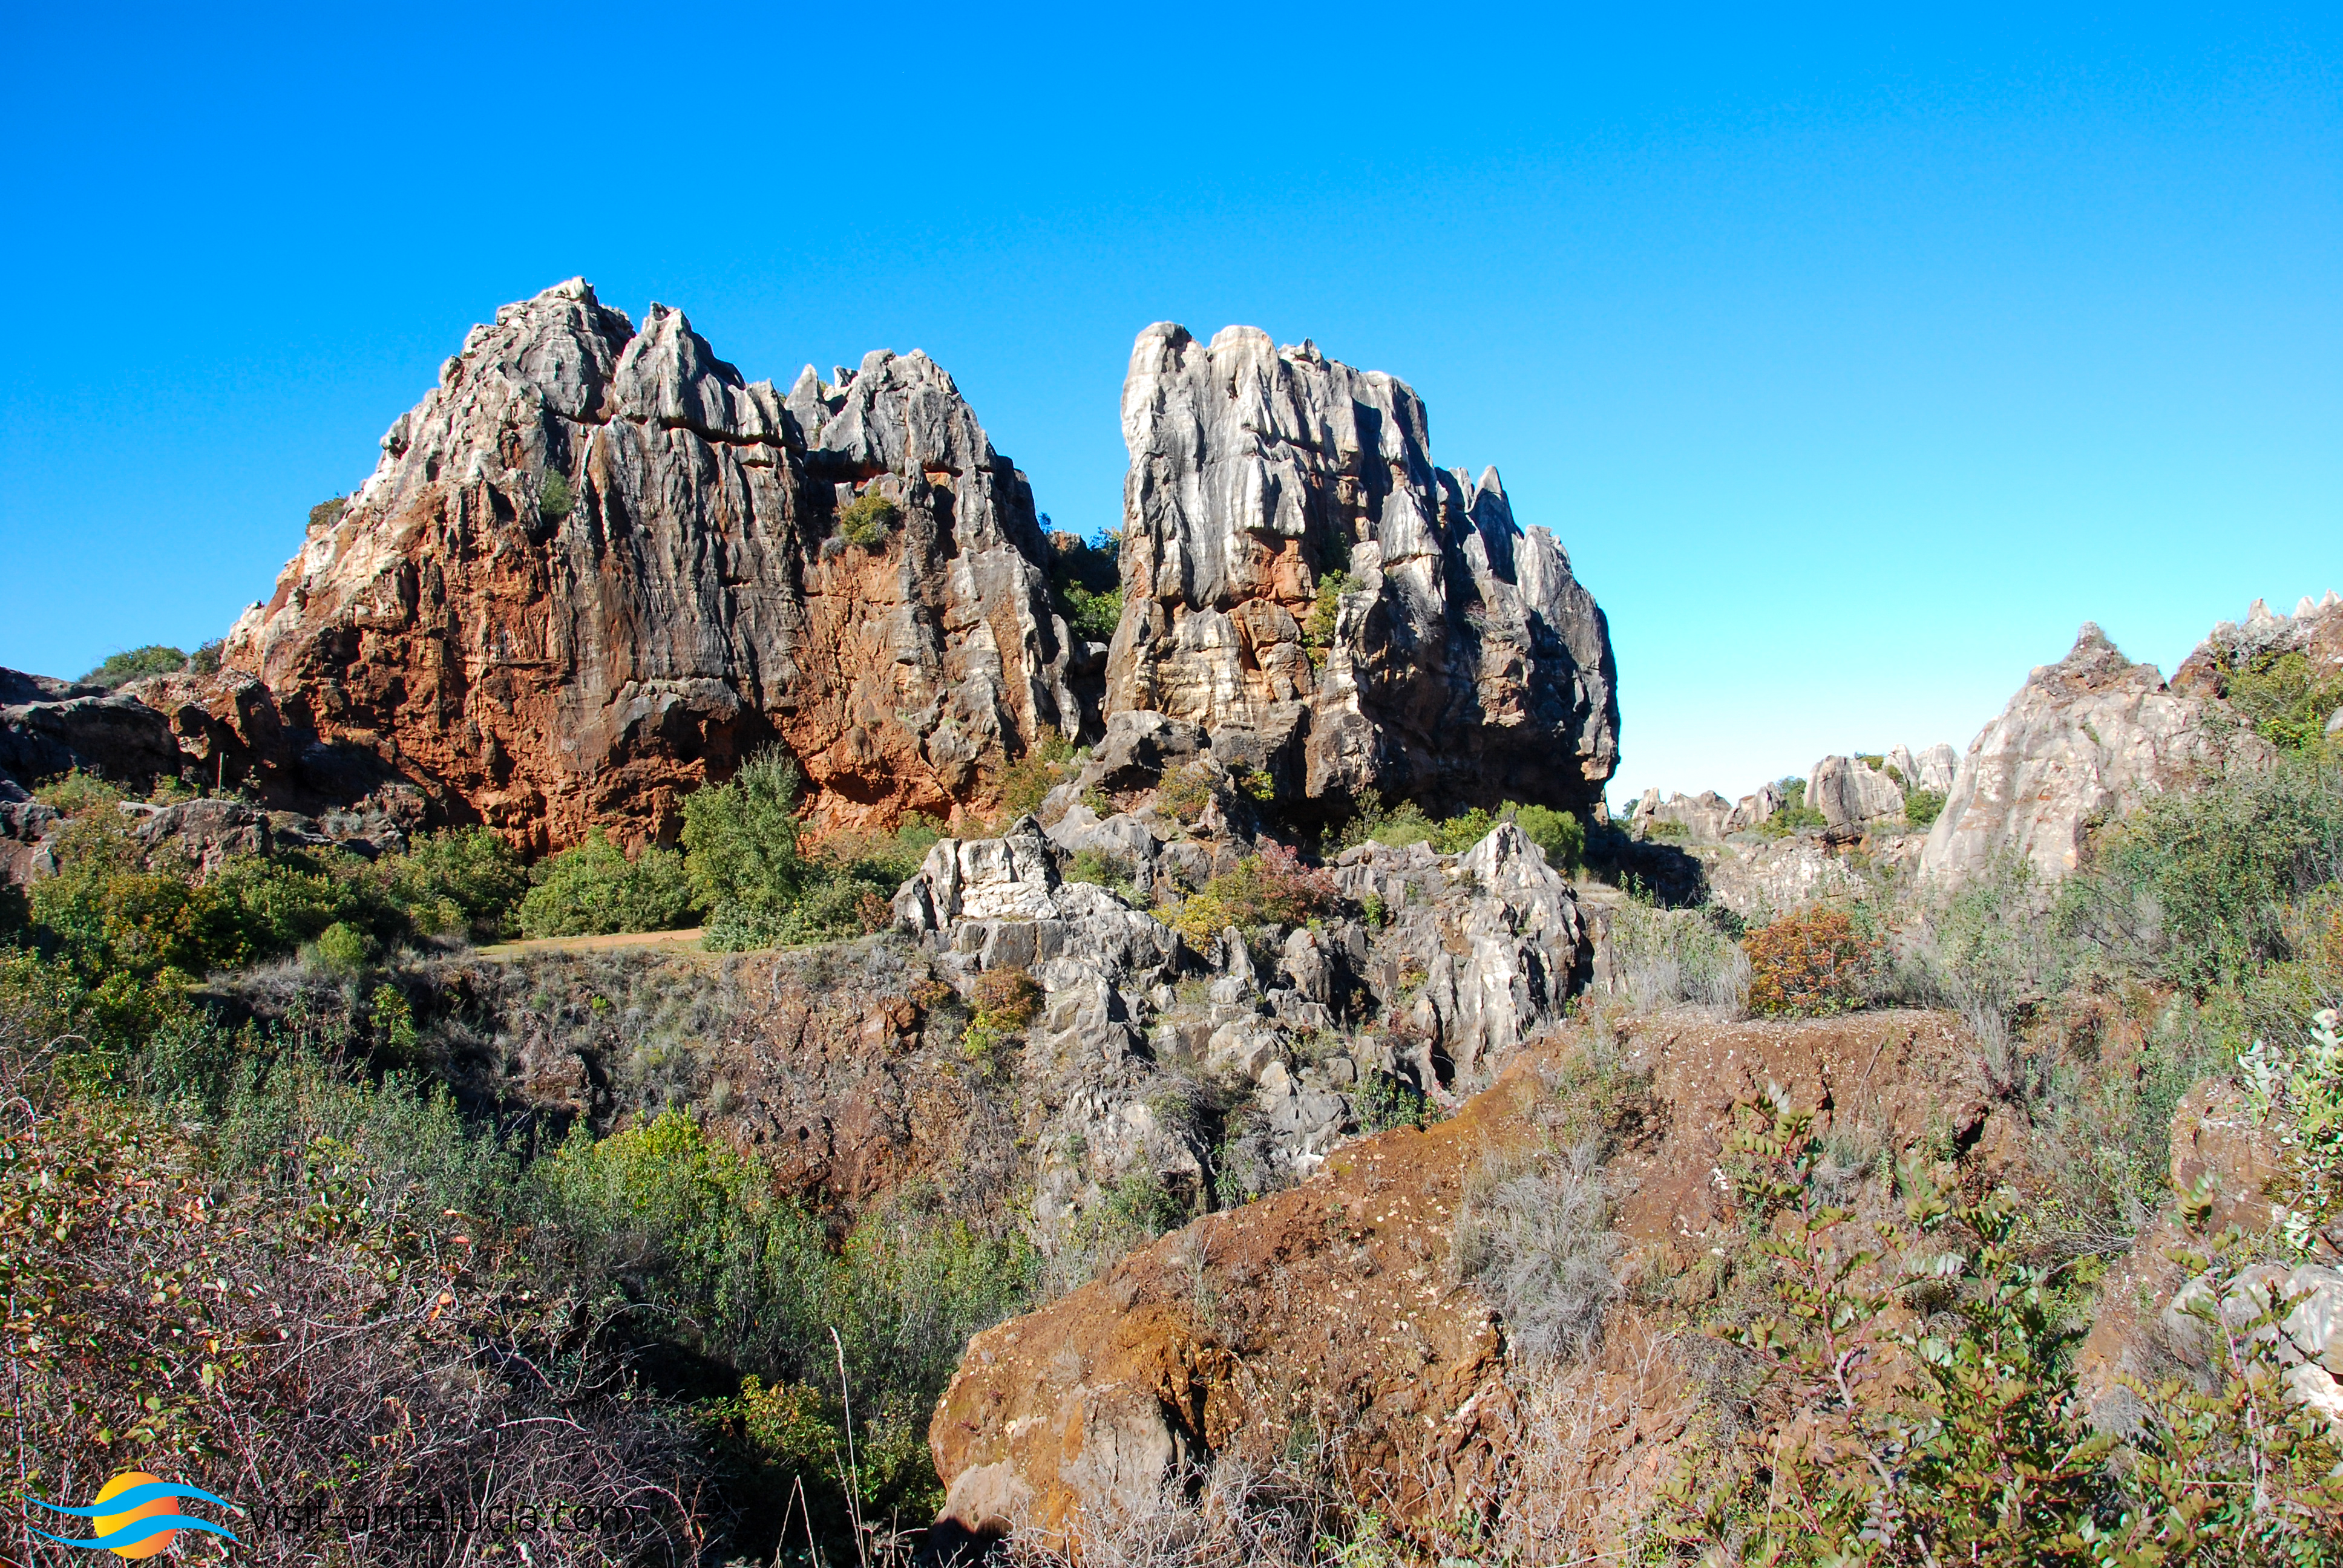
(52, 726)
(1453, 658)
(1852, 794)
(1707, 815)
(1476, 957)
(2083, 742)
(2314, 629)
(595, 567)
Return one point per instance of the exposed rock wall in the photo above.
(1474, 956)
(546, 668)
(1463, 662)
(2085, 740)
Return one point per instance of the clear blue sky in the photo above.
(1855, 359)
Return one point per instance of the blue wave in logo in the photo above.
(138, 1529)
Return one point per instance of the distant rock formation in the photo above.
(595, 567)
(1852, 795)
(1459, 663)
(2084, 740)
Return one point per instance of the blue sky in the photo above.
(1857, 359)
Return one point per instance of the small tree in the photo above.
(740, 839)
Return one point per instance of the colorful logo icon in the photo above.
(135, 1516)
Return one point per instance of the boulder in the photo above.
(1454, 659)
(595, 567)
(1851, 794)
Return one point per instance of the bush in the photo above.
(457, 879)
(1386, 1101)
(120, 669)
(1317, 632)
(740, 839)
(1558, 833)
(1029, 779)
(593, 890)
(1088, 581)
(1002, 1001)
(868, 520)
(2194, 888)
(1809, 965)
(206, 660)
(1923, 807)
(1664, 957)
(1185, 791)
(555, 499)
(1536, 1237)
(1793, 814)
(2285, 700)
(328, 512)
(341, 948)
(1273, 888)
(1101, 869)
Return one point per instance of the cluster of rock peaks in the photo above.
(595, 567)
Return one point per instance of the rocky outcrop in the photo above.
(1707, 815)
(52, 726)
(1853, 795)
(1427, 972)
(2083, 742)
(595, 567)
(1309, 593)
(2314, 630)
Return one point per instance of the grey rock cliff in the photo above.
(1462, 661)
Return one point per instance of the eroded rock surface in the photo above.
(1460, 662)
(1459, 963)
(595, 567)
(2085, 740)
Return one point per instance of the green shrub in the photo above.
(1029, 781)
(1793, 814)
(1460, 833)
(868, 520)
(121, 669)
(1101, 869)
(1088, 581)
(1558, 833)
(341, 948)
(456, 879)
(1403, 825)
(2194, 888)
(555, 499)
(1384, 1102)
(328, 512)
(1318, 631)
(593, 890)
(206, 660)
(72, 794)
(1923, 807)
(2285, 700)
(740, 839)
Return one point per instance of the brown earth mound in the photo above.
(1334, 1307)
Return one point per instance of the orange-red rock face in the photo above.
(546, 668)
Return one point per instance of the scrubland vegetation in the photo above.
(272, 1247)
